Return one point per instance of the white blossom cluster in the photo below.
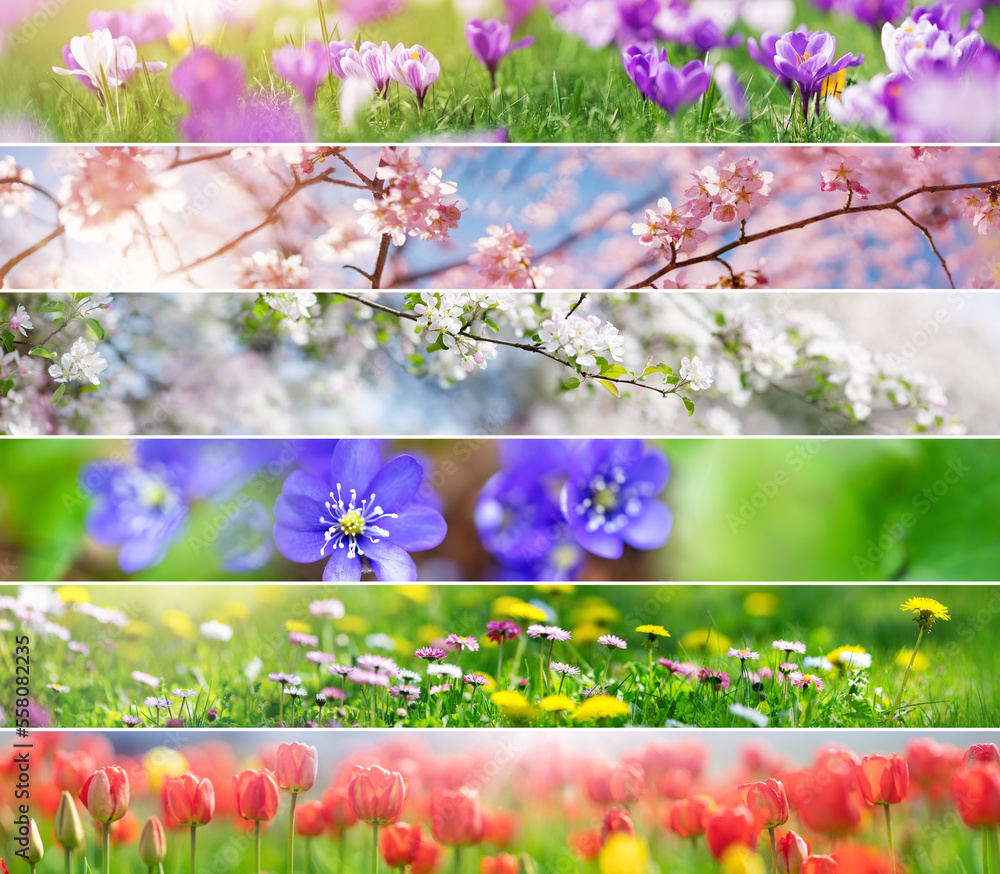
(82, 363)
(17, 197)
(582, 340)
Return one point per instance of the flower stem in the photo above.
(194, 832)
(774, 852)
(374, 848)
(888, 831)
(342, 848)
(458, 860)
(69, 861)
(906, 676)
(256, 846)
(499, 662)
(994, 833)
(291, 834)
(986, 851)
(106, 847)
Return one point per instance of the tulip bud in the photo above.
(616, 820)
(68, 829)
(310, 819)
(456, 817)
(792, 853)
(295, 767)
(190, 801)
(981, 755)
(730, 825)
(767, 802)
(976, 793)
(821, 865)
(689, 816)
(337, 807)
(105, 794)
(256, 795)
(502, 863)
(399, 844)
(375, 794)
(152, 843)
(35, 849)
(884, 780)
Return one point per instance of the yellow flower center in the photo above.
(803, 58)
(352, 522)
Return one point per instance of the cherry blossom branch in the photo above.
(27, 253)
(746, 239)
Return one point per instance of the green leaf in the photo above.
(59, 392)
(261, 308)
(689, 404)
(437, 344)
(42, 352)
(493, 326)
(5, 386)
(52, 306)
(613, 371)
(95, 326)
(658, 368)
(7, 339)
(571, 383)
(610, 386)
(58, 323)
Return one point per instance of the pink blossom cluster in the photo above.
(413, 202)
(983, 208)
(504, 258)
(15, 196)
(111, 189)
(670, 229)
(843, 174)
(272, 269)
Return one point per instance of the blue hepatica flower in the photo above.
(362, 511)
(610, 498)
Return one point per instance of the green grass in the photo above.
(956, 687)
(558, 90)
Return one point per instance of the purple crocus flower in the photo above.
(362, 511)
(662, 83)
(807, 59)
(610, 498)
(489, 41)
(416, 68)
(305, 67)
(205, 80)
(141, 27)
(764, 53)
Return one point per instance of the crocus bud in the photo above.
(295, 767)
(35, 849)
(68, 829)
(190, 801)
(767, 802)
(375, 794)
(105, 794)
(820, 865)
(792, 853)
(502, 863)
(310, 819)
(884, 780)
(689, 816)
(152, 843)
(256, 795)
(456, 817)
(399, 844)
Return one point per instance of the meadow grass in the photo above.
(558, 90)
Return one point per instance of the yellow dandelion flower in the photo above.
(623, 854)
(707, 639)
(761, 604)
(430, 633)
(351, 624)
(600, 707)
(502, 604)
(514, 705)
(404, 646)
(557, 704)
(271, 596)
(920, 661)
(849, 656)
(596, 610)
(555, 588)
(926, 612)
(587, 632)
(740, 859)
(515, 608)
(179, 623)
(297, 625)
(235, 610)
(417, 594)
(160, 763)
(653, 630)
(73, 595)
(138, 628)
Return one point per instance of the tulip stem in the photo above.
(194, 833)
(994, 834)
(69, 861)
(458, 860)
(374, 848)
(906, 676)
(888, 831)
(256, 846)
(291, 833)
(986, 851)
(774, 852)
(106, 847)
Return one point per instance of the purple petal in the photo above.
(390, 563)
(141, 552)
(653, 469)
(354, 465)
(300, 513)
(599, 542)
(417, 528)
(651, 528)
(299, 546)
(395, 484)
(341, 568)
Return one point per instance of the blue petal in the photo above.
(298, 546)
(139, 553)
(390, 563)
(340, 568)
(651, 528)
(395, 484)
(354, 464)
(417, 528)
(653, 468)
(302, 513)
(599, 542)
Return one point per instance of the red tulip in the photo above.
(256, 795)
(931, 765)
(152, 843)
(105, 794)
(864, 860)
(400, 843)
(71, 769)
(792, 852)
(586, 845)
(981, 755)
(456, 818)
(190, 801)
(977, 796)
(613, 783)
(504, 863)
(616, 820)
(767, 802)
(826, 803)
(125, 830)
(428, 856)
(884, 780)
(338, 810)
(375, 794)
(821, 865)
(310, 819)
(689, 817)
(295, 767)
(499, 828)
(3, 867)
(728, 826)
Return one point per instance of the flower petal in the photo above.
(390, 563)
(342, 568)
(354, 464)
(650, 528)
(297, 545)
(599, 542)
(418, 527)
(394, 485)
